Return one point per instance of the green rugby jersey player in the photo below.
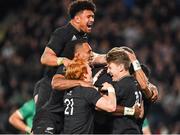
(22, 118)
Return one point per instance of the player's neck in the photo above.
(123, 75)
(75, 25)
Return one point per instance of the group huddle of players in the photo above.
(83, 92)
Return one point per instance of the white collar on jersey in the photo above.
(96, 76)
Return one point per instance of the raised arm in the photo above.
(154, 90)
(49, 57)
(99, 58)
(143, 83)
(54, 48)
(142, 78)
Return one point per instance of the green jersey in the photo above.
(27, 112)
(145, 123)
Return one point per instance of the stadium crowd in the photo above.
(151, 28)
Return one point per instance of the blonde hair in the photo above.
(76, 70)
(118, 56)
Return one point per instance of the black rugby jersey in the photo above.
(102, 119)
(79, 109)
(127, 94)
(55, 103)
(58, 42)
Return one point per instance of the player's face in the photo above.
(85, 52)
(86, 20)
(114, 70)
(88, 76)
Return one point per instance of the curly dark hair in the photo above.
(80, 5)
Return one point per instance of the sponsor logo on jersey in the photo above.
(74, 38)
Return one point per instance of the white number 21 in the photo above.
(69, 106)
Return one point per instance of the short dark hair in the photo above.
(119, 57)
(80, 5)
(71, 47)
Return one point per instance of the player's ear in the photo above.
(76, 55)
(121, 67)
(77, 19)
(85, 77)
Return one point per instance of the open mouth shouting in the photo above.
(89, 26)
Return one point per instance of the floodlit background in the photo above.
(150, 27)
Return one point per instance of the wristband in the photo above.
(60, 60)
(129, 111)
(136, 65)
(111, 89)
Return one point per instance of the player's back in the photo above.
(79, 105)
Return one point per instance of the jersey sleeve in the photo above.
(57, 41)
(145, 123)
(27, 109)
(91, 95)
